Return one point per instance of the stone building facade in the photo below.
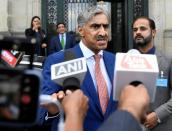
(16, 17)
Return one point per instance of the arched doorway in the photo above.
(122, 14)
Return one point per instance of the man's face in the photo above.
(61, 29)
(95, 33)
(142, 33)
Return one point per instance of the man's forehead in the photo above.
(141, 23)
(61, 25)
(98, 22)
(140, 26)
(99, 18)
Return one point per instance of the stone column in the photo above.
(160, 11)
(3, 16)
(21, 12)
(168, 29)
(156, 12)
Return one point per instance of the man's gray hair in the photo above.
(87, 15)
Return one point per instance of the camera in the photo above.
(19, 97)
(19, 88)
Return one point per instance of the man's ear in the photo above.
(153, 33)
(80, 30)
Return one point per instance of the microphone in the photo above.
(68, 74)
(71, 73)
(11, 58)
(134, 68)
(133, 51)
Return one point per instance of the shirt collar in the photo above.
(87, 52)
(64, 35)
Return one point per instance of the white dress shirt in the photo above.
(89, 55)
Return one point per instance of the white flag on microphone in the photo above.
(73, 68)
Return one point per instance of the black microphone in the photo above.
(71, 83)
(70, 73)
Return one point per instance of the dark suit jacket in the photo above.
(55, 44)
(94, 117)
(41, 38)
(120, 121)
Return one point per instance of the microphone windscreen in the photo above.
(69, 55)
(133, 51)
(71, 83)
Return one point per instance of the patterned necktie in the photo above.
(101, 85)
(62, 41)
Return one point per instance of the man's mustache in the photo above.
(139, 36)
(100, 37)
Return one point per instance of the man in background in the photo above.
(63, 40)
(160, 112)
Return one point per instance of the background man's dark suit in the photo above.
(56, 46)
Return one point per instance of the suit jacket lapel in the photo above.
(67, 41)
(58, 43)
(108, 61)
(88, 86)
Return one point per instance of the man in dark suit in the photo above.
(63, 40)
(159, 117)
(94, 30)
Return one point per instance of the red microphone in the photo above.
(9, 58)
